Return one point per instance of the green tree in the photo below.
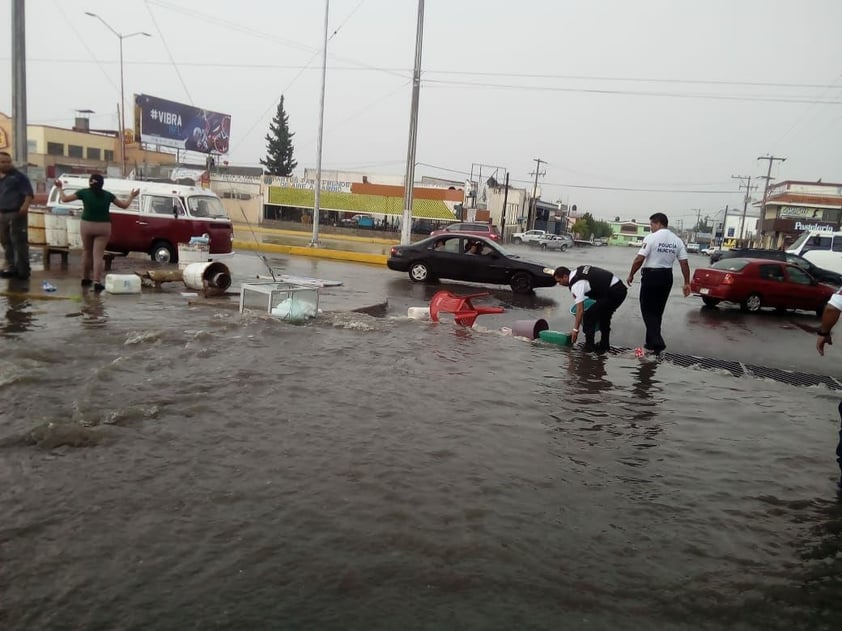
(279, 147)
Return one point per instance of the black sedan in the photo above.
(469, 258)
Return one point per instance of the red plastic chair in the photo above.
(463, 310)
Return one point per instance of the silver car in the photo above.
(556, 242)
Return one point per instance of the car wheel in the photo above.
(163, 252)
(419, 272)
(522, 283)
(710, 302)
(752, 304)
(543, 246)
(517, 240)
(563, 248)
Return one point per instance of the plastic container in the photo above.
(555, 337)
(55, 227)
(122, 284)
(74, 232)
(35, 227)
(418, 313)
(588, 304)
(529, 328)
(189, 254)
(208, 277)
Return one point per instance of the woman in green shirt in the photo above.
(96, 226)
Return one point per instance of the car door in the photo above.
(447, 261)
(163, 218)
(771, 284)
(801, 292)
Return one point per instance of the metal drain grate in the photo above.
(738, 369)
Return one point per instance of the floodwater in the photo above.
(168, 466)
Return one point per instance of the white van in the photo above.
(822, 248)
(160, 218)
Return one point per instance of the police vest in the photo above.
(599, 279)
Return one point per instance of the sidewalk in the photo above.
(372, 250)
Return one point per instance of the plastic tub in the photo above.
(555, 337)
(122, 284)
(74, 232)
(529, 328)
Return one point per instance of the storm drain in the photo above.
(738, 369)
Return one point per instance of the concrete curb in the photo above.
(320, 253)
(326, 236)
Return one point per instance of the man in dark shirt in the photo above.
(601, 286)
(15, 197)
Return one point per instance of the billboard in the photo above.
(172, 124)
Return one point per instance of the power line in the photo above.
(169, 52)
(85, 44)
(717, 97)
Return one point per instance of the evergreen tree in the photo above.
(279, 145)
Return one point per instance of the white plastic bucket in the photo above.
(205, 276)
(55, 227)
(529, 328)
(74, 232)
(35, 227)
(122, 284)
(189, 254)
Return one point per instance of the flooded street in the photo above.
(169, 466)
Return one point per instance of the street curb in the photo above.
(327, 236)
(320, 253)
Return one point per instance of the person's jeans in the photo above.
(655, 287)
(15, 242)
(599, 315)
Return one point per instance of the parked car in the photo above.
(821, 275)
(358, 221)
(448, 256)
(822, 248)
(758, 283)
(530, 236)
(693, 248)
(710, 250)
(477, 228)
(555, 242)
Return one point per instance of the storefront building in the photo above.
(793, 207)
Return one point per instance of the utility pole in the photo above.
(530, 222)
(746, 184)
(503, 214)
(21, 156)
(409, 178)
(767, 177)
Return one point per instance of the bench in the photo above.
(47, 252)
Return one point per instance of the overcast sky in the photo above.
(671, 95)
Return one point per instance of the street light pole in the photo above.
(122, 122)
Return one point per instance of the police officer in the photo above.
(829, 319)
(587, 281)
(15, 197)
(661, 248)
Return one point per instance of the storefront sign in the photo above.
(800, 211)
(814, 225)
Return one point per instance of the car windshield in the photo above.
(206, 206)
(731, 265)
(800, 241)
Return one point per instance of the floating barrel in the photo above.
(529, 328)
(212, 278)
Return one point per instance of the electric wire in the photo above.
(84, 44)
(169, 52)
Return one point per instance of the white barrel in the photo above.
(35, 227)
(55, 227)
(74, 232)
(418, 313)
(122, 284)
(214, 275)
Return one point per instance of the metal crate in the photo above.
(286, 301)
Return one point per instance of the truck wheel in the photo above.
(163, 252)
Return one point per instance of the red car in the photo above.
(473, 227)
(757, 283)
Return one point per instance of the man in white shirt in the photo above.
(588, 281)
(661, 248)
(829, 319)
